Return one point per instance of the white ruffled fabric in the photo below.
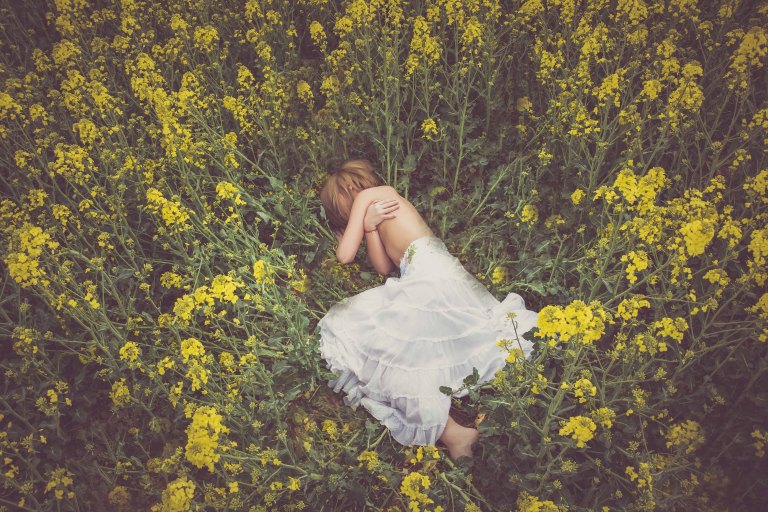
(394, 345)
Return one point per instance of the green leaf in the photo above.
(471, 380)
(409, 164)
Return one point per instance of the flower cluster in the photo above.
(23, 259)
(425, 47)
(227, 190)
(193, 354)
(577, 321)
(687, 435)
(580, 428)
(177, 497)
(412, 487)
(629, 308)
(583, 388)
(60, 483)
(120, 394)
(26, 340)
(203, 435)
(173, 213)
(529, 503)
(222, 287)
(130, 352)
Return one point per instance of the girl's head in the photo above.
(342, 186)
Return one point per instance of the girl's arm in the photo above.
(377, 254)
(349, 243)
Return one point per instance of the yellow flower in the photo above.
(580, 428)
(749, 55)
(120, 394)
(184, 307)
(499, 275)
(224, 288)
(540, 380)
(165, 364)
(717, 276)
(530, 213)
(178, 24)
(177, 497)
(370, 459)
(304, 92)
(761, 439)
(429, 128)
(173, 213)
(260, 271)
(698, 233)
(26, 340)
(206, 37)
(638, 260)
(65, 53)
(515, 355)
(198, 375)
(609, 88)
(226, 190)
(130, 352)
(22, 260)
(301, 284)
(191, 348)
(523, 104)
(203, 437)
(317, 33)
(36, 198)
(60, 483)
(119, 495)
(604, 416)
(529, 503)
(651, 89)
(578, 321)
(412, 486)
(425, 48)
(629, 308)
(330, 428)
(671, 327)
(170, 280)
(330, 85)
(643, 475)
(687, 434)
(582, 388)
(472, 34)
(577, 196)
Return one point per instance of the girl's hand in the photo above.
(379, 211)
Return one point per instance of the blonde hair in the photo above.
(336, 195)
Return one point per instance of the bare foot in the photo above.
(458, 439)
(463, 446)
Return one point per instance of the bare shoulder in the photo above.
(384, 189)
(380, 192)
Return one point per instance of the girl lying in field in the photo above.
(394, 345)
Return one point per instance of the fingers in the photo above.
(393, 204)
(387, 202)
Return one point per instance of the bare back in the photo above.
(408, 225)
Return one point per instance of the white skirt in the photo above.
(394, 345)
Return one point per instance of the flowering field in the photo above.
(165, 258)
